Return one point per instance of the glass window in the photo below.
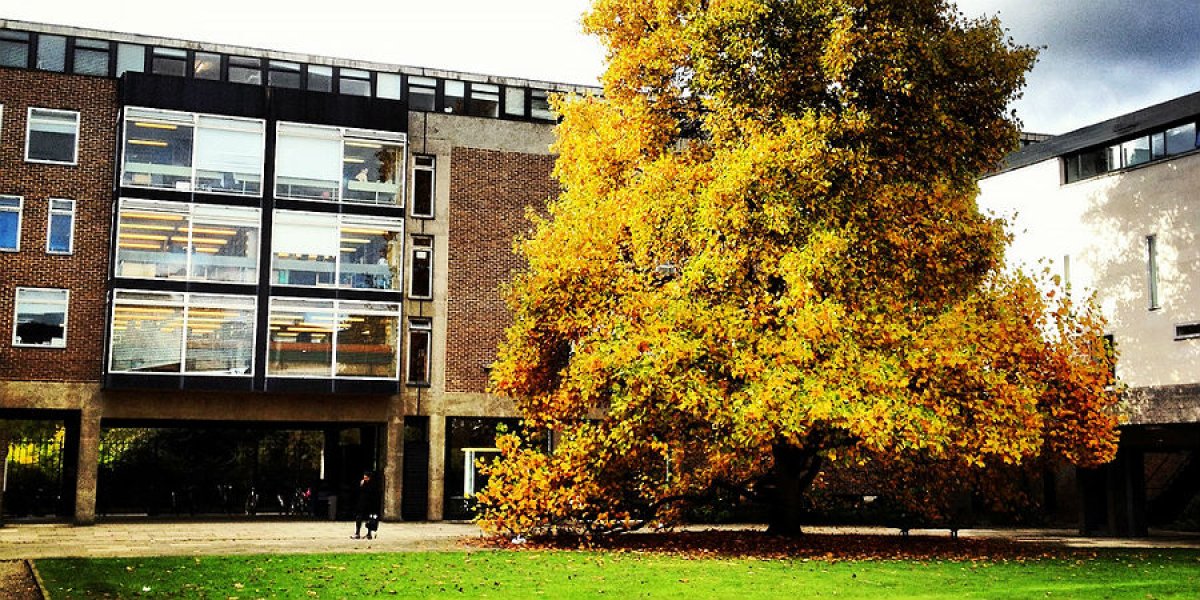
(539, 105)
(324, 338)
(371, 173)
(130, 58)
(422, 268)
(422, 93)
(485, 100)
(419, 333)
(52, 136)
(186, 151)
(424, 177)
(387, 85)
(514, 102)
(1152, 271)
(10, 223)
(320, 78)
(334, 164)
(168, 332)
(52, 52)
(283, 74)
(1135, 152)
(195, 242)
(60, 227)
(353, 82)
(41, 318)
(454, 96)
(1181, 139)
(328, 250)
(245, 70)
(169, 61)
(92, 57)
(206, 65)
(14, 49)
(1158, 146)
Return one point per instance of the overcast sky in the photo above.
(1101, 58)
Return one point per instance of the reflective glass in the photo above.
(10, 222)
(61, 227)
(366, 344)
(41, 318)
(371, 171)
(130, 57)
(320, 78)
(14, 49)
(52, 52)
(206, 65)
(52, 135)
(301, 342)
(91, 57)
(220, 335)
(158, 149)
(422, 93)
(1181, 139)
(245, 70)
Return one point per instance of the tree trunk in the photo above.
(794, 471)
(4, 441)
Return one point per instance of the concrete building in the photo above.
(1113, 209)
(201, 238)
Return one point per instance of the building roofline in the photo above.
(151, 40)
(1129, 125)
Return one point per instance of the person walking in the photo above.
(366, 505)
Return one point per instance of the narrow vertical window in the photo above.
(60, 227)
(1152, 270)
(419, 335)
(422, 267)
(424, 178)
(41, 318)
(10, 223)
(52, 136)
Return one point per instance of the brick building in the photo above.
(201, 238)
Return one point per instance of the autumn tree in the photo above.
(767, 256)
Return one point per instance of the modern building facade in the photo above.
(200, 236)
(1113, 209)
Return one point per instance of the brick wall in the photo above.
(489, 191)
(89, 183)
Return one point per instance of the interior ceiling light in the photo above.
(155, 143)
(149, 125)
(363, 144)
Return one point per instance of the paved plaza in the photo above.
(153, 538)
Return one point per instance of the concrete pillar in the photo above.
(437, 466)
(87, 466)
(393, 467)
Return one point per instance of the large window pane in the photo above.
(387, 85)
(52, 53)
(206, 65)
(229, 155)
(301, 338)
(10, 223)
(1135, 152)
(366, 344)
(41, 318)
(52, 136)
(371, 174)
(369, 256)
(130, 58)
(224, 244)
(308, 162)
(151, 241)
(1181, 139)
(158, 149)
(220, 335)
(305, 248)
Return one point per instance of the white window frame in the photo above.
(29, 124)
(188, 214)
(142, 113)
(337, 311)
(346, 136)
(51, 212)
(412, 278)
(432, 169)
(17, 312)
(340, 223)
(20, 220)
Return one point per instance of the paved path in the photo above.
(142, 538)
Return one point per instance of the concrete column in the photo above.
(87, 466)
(393, 467)
(437, 466)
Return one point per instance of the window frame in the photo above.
(431, 168)
(338, 309)
(1152, 272)
(420, 243)
(51, 213)
(188, 214)
(75, 145)
(20, 210)
(346, 136)
(341, 222)
(422, 326)
(66, 304)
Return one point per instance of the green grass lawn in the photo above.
(570, 574)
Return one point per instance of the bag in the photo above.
(372, 523)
